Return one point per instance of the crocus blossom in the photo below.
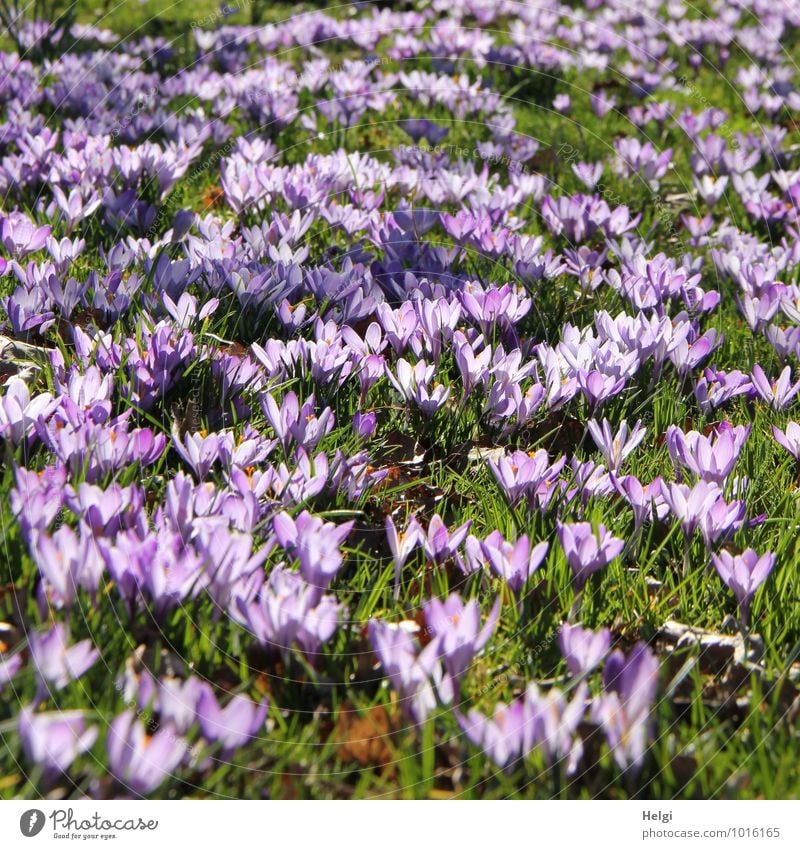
(743, 573)
(587, 551)
(141, 762)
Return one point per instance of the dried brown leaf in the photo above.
(365, 739)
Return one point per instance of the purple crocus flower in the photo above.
(19, 413)
(623, 710)
(513, 562)
(154, 370)
(710, 458)
(598, 387)
(590, 479)
(54, 740)
(586, 552)
(419, 128)
(295, 421)
(289, 612)
(74, 206)
(162, 567)
(633, 678)
(414, 384)
(690, 351)
(400, 325)
(65, 251)
(721, 520)
(562, 103)
(527, 475)
(233, 726)
(9, 666)
(371, 369)
(759, 311)
(500, 736)
(401, 545)
(647, 502)
(715, 388)
(306, 480)
(139, 761)
(536, 721)
(20, 235)
(601, 103)
(589, 173)
(185, 311)
(68, 560)
(57, 664)
(690, 505)
(777, 394)
(551, 725)
(414, 675)
(743, 573)
(314, 542)
(96, 450)
(37, 498)
(364, 424)
(457, 627)
(472, 366)
(90, 392)
(200, 451)
(106, 511)
(230, 560)
(583, 649)
(710, 189)
(438, 542)
(174, 699)
(615, 447)
(785, 340)
(790, 440)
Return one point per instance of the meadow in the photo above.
(399, 400)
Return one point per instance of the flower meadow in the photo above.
(401, 401)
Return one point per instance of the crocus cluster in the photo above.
(548, 721)
(270, 372)
(453, 637)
